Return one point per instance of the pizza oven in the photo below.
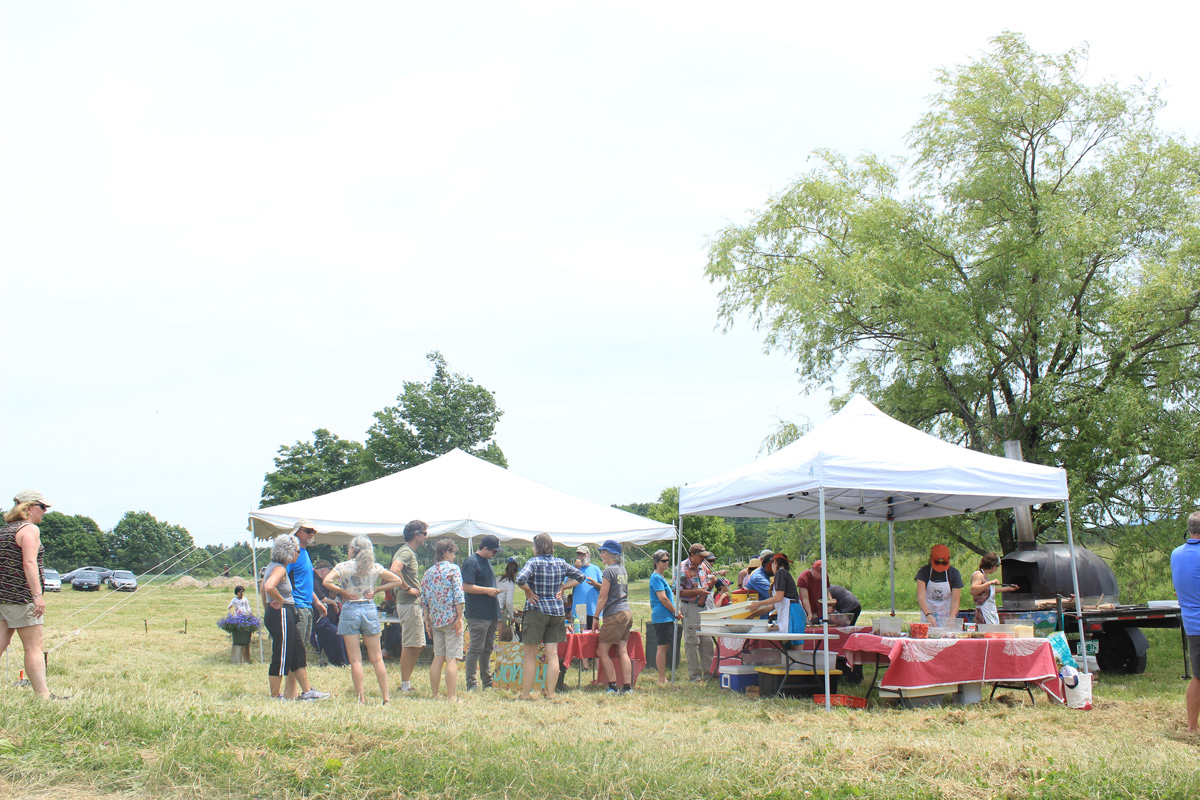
(1045, 572)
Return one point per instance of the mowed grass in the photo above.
(163, 714)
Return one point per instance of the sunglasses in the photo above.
(941, 562)
(42, 506)
(663, 560)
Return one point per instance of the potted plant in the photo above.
(240, 625)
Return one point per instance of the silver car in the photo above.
(51, 582)
(122, 580)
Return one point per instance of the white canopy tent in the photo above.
(459, 495)
(861, 464)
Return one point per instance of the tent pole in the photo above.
(257, 593)
(824, 595)
(674, 568)
(892, 560)
(1075, 586)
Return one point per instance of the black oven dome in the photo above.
(1045, 572)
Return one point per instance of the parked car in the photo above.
(86, 581)
(102, 572)
(51, 582)
(122, 580)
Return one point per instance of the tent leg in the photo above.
(1075, 587)
(257, 593)
(892, 560)
(675, 561)
(824, 596)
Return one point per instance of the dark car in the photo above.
(102, 572)
(122, 580)
(51, 582)
(86, 581)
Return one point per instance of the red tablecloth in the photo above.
(918, 663)
(583, 645)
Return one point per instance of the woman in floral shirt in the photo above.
(442, 598)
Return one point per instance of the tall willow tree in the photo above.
(1029, 271)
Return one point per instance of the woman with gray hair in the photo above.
(663, 612)
(287, 649)
(357, 581)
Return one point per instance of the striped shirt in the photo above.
(14, 588)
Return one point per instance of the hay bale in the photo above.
(221, 582)
(188, 582)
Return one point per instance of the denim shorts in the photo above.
(359, 616)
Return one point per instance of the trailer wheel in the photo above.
(1119, 651)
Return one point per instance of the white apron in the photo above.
(987, 609)
(938, 600)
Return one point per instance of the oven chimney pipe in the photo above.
(1026, 540)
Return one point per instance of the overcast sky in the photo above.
(223, 225)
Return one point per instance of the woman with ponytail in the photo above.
(357, 581)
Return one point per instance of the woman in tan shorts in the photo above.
(22, 606)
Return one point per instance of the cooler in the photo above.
(738, 678)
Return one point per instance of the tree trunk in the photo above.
(1006, 527)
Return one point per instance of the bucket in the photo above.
(1079, 696)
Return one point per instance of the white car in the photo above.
(51, 582)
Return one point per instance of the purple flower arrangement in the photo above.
(239, 622)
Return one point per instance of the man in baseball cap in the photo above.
(585, 594)
(696, 581)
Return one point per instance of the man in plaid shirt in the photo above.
(542, 579)
(696, 580)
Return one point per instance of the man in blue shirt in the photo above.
(758, 582)
(586, 593)
(300, 573)
(1185, 573)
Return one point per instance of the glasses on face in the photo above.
(42, 506)
(663, 560)
(941, 562)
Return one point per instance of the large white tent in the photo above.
(861, 464)
(460, 495)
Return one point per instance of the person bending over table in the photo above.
(785, 598)
(983, 590)
(810, 585)
(939, 588)
(613, 607)
(662, 612)
(845, 602)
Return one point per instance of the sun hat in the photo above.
(696, 548)
(612, 546)
(303, 523)
(31, 496)
(939, 552)
(755, 563)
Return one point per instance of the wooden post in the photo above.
(185, 625)
(146, 622)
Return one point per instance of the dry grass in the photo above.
(164, 715)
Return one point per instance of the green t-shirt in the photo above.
(408, 571)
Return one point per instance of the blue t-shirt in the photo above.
(758, 581)
(1185, 574)
(659, 612)
(300, 572)
(585, 593)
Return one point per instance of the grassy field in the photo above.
(158, 712)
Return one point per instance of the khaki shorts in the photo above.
(447, 643)
(20, 615)
(540, 627)
(412, 624)
(615, 627)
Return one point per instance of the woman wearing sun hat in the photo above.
(939, 588)
(22, 606)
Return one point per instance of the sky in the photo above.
(224, 225)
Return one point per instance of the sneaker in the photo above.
(281, 697)
(626, 689)
(313, 694)
(612, 689)
(408, 690)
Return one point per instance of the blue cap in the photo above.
(612, 546)
(512, 560)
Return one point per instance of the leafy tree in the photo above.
(1031, 273)
(309, 469)
(715, 533)
(140, 542)
(431, 419)
(72, 541)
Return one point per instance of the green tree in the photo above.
(1030, 273)
(309, 469)
(73, 541)
(431, 419)
(140, 542)
(715, 533)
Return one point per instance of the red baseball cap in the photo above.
(940, 553)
